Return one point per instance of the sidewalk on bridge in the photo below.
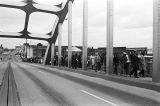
(131, 81)
(138, 87)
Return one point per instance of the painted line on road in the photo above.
(99, 98)
(42, 72)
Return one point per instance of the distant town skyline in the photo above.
(133, 26)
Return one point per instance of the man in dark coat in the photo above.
(115, 63)
(135, 65)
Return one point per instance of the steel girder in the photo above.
(60, 11)
(28, 9)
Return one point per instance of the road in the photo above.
(39, 85)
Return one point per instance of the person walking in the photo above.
(92, 58)
(97, 62)
(66, 61)
(115, 63)
(74, 61)
(123, 60)
(79, 61)
(143, 65)
(126, 65)
(134, 62)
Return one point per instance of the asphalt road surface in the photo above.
(38, 85)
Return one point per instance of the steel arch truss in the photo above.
(60, 11)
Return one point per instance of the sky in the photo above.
(133, 23)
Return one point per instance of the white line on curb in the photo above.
(99, 98)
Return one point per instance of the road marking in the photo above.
(99, 98)
(42, 72)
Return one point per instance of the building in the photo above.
(139, 50)
(102, 50)
(19, 50)
(75, 49)
(35, 51)
(31, 51)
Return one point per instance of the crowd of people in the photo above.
(123, 63)
(97, 61)
(126, 64)
(130, 64)
(76, 61)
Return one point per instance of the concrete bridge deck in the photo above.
(140, 90)
(131, 81)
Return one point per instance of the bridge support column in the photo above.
(52, 53)
(109, 49)
(47, 57)
(59, 43)
(85, 34)
(156, 41)
(70, 34)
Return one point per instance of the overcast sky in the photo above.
(132, 23)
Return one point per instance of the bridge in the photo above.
(38, 85)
